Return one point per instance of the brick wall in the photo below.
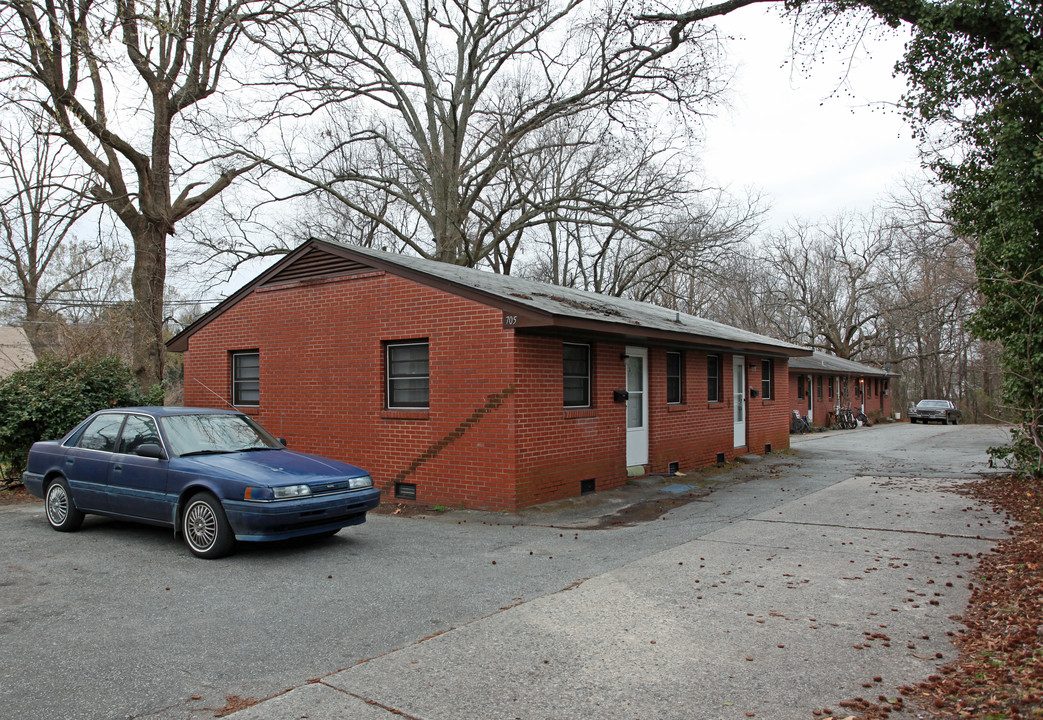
(496, 435)
(877, 399)
(693, 432)
(768, 418)
(321, 348)
(557, 448)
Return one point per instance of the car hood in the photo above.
(270, 467)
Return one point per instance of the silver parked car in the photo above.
(943, 411)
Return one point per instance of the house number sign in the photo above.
(510, 320)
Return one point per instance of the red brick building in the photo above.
(461, 387)
(821, 382)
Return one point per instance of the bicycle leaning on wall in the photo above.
(798, 424)
(842, 418)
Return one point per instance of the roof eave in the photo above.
(533, 319)
(560, 324)
(528, 318)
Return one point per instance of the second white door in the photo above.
(739, 398)
(637, 406)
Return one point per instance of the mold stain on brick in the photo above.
(492, 402)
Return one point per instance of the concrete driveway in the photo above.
(785, 586)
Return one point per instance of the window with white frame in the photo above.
(768, 379)
(408, 375)
(246, 379)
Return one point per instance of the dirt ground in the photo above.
(14, 493)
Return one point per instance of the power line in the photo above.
(113, 303)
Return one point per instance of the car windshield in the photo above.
(217, 433)
(934, 403)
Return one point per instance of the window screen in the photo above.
(673, 377)
(576, 374)
(408, 378)
(246, 378)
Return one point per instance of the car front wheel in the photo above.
(61, 513)
(205, 527)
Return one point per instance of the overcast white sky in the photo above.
(811, 154)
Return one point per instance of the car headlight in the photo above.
(291, 491)
(358, 483)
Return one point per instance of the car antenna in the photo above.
(215, 394)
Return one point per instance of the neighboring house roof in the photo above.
(15, 351)
(822, 362)
(532, 305)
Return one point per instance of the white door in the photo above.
(637, 406)
(739, 398)
(811, 400)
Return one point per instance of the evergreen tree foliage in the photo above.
(975, 70)
(46, 400)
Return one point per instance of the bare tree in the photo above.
(833, 279)
(434, 105)
(931, 268)
(121, 84)
(44, 265)
(736, 290)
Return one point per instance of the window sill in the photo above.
(404, 414)
(676, 407)
(248, 409)
(580, 413)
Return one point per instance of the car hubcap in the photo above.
(201, 526)
(57, 504)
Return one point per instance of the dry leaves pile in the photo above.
(999, 675)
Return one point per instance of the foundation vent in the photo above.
(720, 458)
(405, 491)
(767, 449)
(587, 486)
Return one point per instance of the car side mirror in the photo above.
(150, 450)
(282, 441)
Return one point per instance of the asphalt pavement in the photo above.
(804, 579)
(775, 587)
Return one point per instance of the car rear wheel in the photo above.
(61, 513)
(205, 527)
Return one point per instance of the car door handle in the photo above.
(117, 468)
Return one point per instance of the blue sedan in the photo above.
(215, 476)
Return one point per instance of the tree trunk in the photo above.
(148, 280)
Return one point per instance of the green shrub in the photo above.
(46, 400)
(1024, 453)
